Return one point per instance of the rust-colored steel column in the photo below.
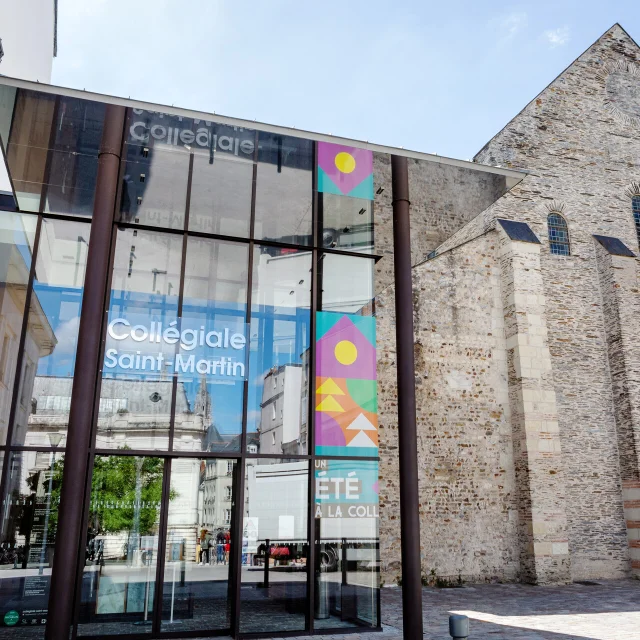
(70, 534)
(407, 438)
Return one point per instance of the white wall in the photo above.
(27, 32)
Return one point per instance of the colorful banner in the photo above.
(346, 416)
(346, 489)
(345, 171)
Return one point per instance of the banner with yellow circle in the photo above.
(345, 171)
(346, 411)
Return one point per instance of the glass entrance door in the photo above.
(196, 586)
(119, 575)
(158, 547)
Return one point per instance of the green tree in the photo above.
(126, 489)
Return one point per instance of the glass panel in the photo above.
(345, 196)
(279, 343)
(44, 398)
(55, 160)
(346, 284)
(347, 223)
(284, 189)
(136, 392)
(196, 574)
(17, 234)
(71, 183)
(215, 293)
(221, 194)
(27, 145)
(346, 410)
(118, 579)
(347, 545)
(274, 565)
(29, 522)
(154, 187)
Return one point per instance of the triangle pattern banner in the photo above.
(346, 416)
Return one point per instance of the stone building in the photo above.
(527, 357)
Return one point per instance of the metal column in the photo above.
(70, 534)
(409, 513)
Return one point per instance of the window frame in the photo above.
(555, 243)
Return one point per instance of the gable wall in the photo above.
(582, 152)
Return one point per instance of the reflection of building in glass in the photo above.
(216, 483)
(131, 410)
(282, 425)
(40, 341)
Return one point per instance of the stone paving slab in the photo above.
(607, 610)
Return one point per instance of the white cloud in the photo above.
(509, 25)
(557, 37)
(513, 23)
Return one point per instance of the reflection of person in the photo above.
(204, 546)
(227, 546)
(220, 547)
(245, 546)
(100, 552)
(89, 553)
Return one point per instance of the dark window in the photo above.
(635, 207)
(558, 235)
(284, 188)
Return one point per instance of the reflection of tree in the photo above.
(38, 483)
(113, 493)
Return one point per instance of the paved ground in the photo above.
(608, 610)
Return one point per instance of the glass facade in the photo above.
(233, 455)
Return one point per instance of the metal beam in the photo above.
(407, 438)
(70, 534)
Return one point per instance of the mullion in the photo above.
(158, 594)
(183, 262)
(80, 564)
(96, 404)
(311, 449)
(166, 479)
(236, 575)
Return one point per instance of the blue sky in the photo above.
(441, 77)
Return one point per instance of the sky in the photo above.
(434, 76)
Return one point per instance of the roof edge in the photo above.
(513, 176)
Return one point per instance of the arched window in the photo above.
(558, 235)
(635, 207)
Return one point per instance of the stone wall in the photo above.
(466, 475)
(561, 509)
(621, 305)
(581, 156)
(444, 198)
